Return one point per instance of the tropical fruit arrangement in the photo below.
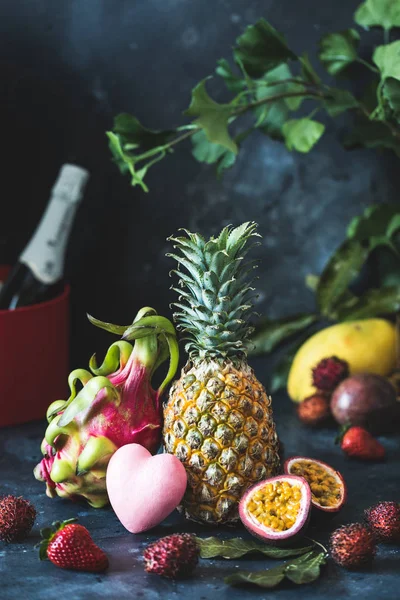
(221, 459)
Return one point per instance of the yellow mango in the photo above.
(368, 346)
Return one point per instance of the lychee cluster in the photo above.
(173, 556)
(354, 546)
(326, 376)
(17, 517)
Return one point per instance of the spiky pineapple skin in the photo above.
(218, 421)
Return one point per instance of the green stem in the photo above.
(274, 97)
(283, 81)
(393, 130)
(318, 544)
(367, 64)
(237, 111)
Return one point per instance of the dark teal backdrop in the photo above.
(67, 67)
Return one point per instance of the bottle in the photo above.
(38, 274)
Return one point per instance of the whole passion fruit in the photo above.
(367, 400)
(277, 510)
(328, 488)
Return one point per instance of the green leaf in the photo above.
(394, 224)
(280, 374)
(281, 370)
(343, 266)
(271, 333)
(207, 152)
(132, 132)
(124, 162)
(338, 50)
(375, 302)
(302, 134)
(264, 579)
(374, 222)
(270, 117)
(233, 82)
(372, 134)
(212, 117)
(387, 59)
(270, 85)
(212, 547)
(307, 70)
(261, 48)
(380, 13)
(391, 93)
(339, 101)
(304, 569)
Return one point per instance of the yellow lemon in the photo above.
(368, 346)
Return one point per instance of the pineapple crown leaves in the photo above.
(215, 293)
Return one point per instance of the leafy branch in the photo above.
(372, 246)
(261, 83)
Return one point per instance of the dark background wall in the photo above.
(66, 68)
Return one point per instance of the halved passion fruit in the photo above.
(328, 489)
(277, 509)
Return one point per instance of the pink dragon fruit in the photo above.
(116, 405)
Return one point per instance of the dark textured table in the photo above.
(23, 576)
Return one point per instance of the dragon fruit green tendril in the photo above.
(115, 405)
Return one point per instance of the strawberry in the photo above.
(357, 442)
(70, 546)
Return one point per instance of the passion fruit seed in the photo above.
(276, 505)
(325, 489)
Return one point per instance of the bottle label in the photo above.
(44, 254)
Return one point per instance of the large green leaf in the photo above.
(212, 547)
(271, 116)
(132, 132)
(271, 333)
(374, 222)
(307, 70)
(375, 302)
(125, 162)
(280, 373)
(339, 101)
(233, 82)
(391, 93)
(387, 59)
(261, 48)
(372, 134)
(205, 151)
(338, 50)
(381, 13)
(304, 569)
(302, 134)
(342, 268)
(211, 117)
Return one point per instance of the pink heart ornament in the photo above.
(144, 489)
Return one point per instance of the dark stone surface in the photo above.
(23, 576)
(69, 67)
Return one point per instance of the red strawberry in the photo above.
(70, 546)
(357, 442)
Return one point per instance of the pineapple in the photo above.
(218, 420)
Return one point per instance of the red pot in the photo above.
(34, 357)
